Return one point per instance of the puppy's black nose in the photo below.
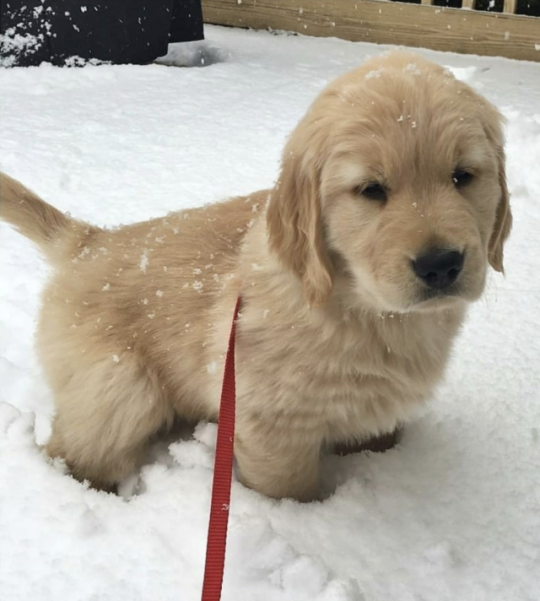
(438, 269)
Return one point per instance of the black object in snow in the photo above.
(119, 31)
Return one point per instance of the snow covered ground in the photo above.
(452, 514)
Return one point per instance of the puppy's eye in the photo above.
(461, 178)
(373, 191)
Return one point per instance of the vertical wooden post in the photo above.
(470, 4)
(510, 6)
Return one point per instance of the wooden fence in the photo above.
(463, 30)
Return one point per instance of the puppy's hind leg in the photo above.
(105, 415)
(375, 444)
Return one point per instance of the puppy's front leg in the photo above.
(275, 462)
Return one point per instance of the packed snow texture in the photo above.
(452, 513)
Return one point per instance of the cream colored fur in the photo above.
(337, 340)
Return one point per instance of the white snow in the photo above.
(12, 43)
(452, 514)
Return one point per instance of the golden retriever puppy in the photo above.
(355, 272)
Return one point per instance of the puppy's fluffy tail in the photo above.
(37, 220)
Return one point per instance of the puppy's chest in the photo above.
(346, 376)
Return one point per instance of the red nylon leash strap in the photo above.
(221, 487)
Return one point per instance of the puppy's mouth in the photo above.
(438, 299)
(430, 293)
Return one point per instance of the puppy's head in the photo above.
(394, 183)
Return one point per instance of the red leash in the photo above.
(221, 487)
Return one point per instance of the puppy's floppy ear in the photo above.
(503, 220)
(294, 221)
(492, 122)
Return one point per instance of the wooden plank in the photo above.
(470, 4)
(510, 6)
(428, 2)
(446, 29)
